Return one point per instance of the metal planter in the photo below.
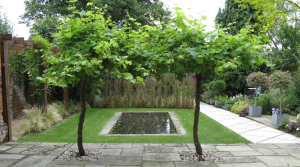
(255, 111)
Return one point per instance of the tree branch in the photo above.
(293, 3)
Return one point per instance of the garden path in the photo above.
(251, 130)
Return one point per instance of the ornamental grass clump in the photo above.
(257, 79)
(281, 80)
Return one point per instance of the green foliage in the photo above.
(235, 17)
(237, 107)
(265, 102)
(6, 26)
(45, 27)
(257, 79)
(284, 52)
(284, 123)
(280, 79)
(141, 10)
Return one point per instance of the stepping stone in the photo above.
(161, 157)
(35, 161)
(279, 160)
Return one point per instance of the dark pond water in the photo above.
(144, 123)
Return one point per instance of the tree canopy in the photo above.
(239, 17)
(141, 10)
(6, 26)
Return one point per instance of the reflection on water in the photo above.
(144, 123)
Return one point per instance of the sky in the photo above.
(209, 8)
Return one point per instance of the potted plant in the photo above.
(256, 79)
(281, 80)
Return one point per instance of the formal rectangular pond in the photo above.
(143, 123)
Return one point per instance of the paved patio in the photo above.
(150, 155)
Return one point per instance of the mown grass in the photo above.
(210, 131)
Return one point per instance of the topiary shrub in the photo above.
(281, 80)
(216, 86)
(257, 79)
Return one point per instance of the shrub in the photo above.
(217, 86)
(265, 102)
(281, 80)
(237, 107)
(257, 79)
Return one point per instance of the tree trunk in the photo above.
(196, 117)
(66, 98)
(81, 118)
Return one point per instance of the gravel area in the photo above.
(71, 155)
(208, 156)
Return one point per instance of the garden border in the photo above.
(114, 119)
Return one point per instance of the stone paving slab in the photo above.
(6, 162)
(259, 164)
(195, 164)
(245, 159)
(235, 148)
(35, 161)
(245, 153)
(117, 145)
(114, 152)
(164, 149)
(132, 152)
(161, 157)
(11, 156)
(157, 164)
(279, 160)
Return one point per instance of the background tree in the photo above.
(239, 17)
(141, 10)
(6, 26)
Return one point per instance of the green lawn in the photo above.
(210, 131)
